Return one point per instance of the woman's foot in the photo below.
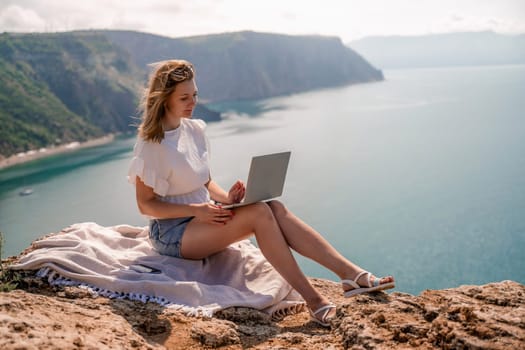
(322, 312)
(366, 282)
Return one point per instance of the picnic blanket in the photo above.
(102, 259)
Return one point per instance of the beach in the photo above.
(30, 155)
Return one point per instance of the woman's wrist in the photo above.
(193, 209)
(221, 198)
(223, 201)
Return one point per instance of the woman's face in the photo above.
(181, 102)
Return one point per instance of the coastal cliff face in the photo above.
(469, 317)
(253, 65)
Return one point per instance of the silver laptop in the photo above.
(265, 179)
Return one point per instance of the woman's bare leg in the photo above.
(309, 243)
(202, 239)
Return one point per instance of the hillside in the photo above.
(252, 65)
(454, 49)
(61, 87)
(58, 88)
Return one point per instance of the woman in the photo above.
(171, 174)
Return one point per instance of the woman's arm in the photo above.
(149, 205)
(217, 193)
(235, 195)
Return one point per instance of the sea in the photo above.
(421, 176)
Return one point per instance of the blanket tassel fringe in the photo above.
(55, 279)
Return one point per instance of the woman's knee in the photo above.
(278, 208)
(262, 211)
(256, 213)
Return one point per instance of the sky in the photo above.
(347, 19)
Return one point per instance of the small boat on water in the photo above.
(26, 192)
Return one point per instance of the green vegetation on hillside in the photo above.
(32, 116)
(56, 88)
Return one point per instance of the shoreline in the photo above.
(24, 157)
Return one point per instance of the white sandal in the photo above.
(324, 320)
(372, 286)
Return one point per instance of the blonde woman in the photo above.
(170, 171)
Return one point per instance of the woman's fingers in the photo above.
(237, 191)
(214, 214)
(221, 216)
(238, 185)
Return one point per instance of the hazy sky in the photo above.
(347, 19)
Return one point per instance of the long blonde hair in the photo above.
(162, 83)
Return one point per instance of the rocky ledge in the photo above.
(468, 317)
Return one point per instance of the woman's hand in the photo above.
(237, 192)
(212, 213)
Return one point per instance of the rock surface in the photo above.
(468, 317)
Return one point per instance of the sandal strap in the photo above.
(325, 309)
(351, 283)
(354, 282)
(367, 277)
(377, 282)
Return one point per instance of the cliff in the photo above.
(56, 88)
(468, 317)
(253, 65)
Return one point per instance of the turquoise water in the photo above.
(421, 176)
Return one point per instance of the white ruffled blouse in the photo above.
(177, 168)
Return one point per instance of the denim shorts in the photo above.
(166, 235)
